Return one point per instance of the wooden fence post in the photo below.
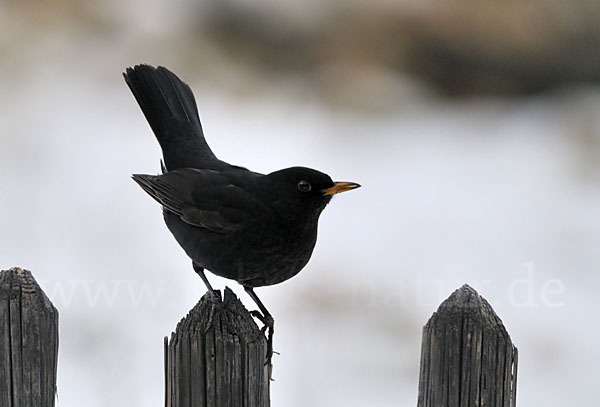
(467, 357)
(216, 357)
(28, 342)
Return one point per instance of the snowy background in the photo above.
(477, 177)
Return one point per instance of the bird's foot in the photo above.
(267, 320)
(214, 297)
(269, 329)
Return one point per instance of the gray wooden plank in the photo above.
(467, 356)
(28, 342)
(225, 354)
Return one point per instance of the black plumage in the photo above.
(252, 228)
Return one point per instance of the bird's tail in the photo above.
(170, 108)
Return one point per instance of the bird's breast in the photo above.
(258, 253)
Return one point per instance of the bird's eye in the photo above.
(304, 186)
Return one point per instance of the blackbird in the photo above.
(255, 229)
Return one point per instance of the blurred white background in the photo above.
(474, 131)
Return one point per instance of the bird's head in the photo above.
(300, 190)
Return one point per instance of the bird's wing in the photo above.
(201, 198)
(170, 108)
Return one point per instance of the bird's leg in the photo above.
(200, 271)
(266, 318)
(215, 296)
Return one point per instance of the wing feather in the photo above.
(181, 192)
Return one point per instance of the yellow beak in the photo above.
(340, 187)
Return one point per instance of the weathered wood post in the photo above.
(467, 357)
(216, 357)
(28, 342)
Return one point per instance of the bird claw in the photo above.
(257, 315)
(270, 351)
(268, 328)
(213, 296)
(267, 320)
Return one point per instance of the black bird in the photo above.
(252, 228)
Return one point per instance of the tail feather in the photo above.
(170, 108)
